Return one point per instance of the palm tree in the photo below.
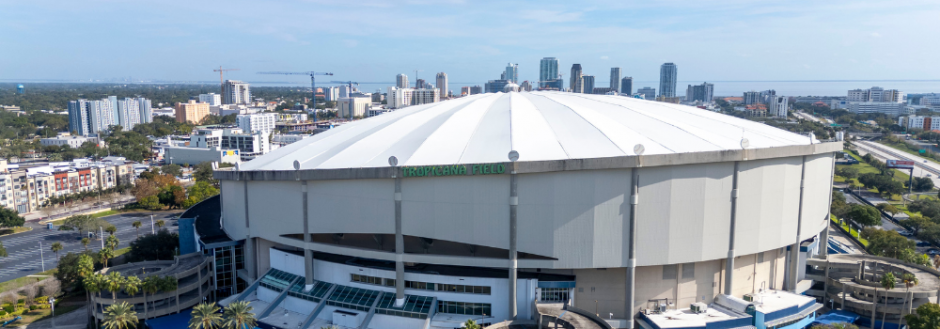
(105, 254)
(136, 224)
(95, 284)
(887, 282)
(150, 286)
(85, 242)
(111, 229)
(132, 285)
(56, 246)
(470, 324)
(909, 281)
(168, 284)
(205, 316)
(112, 242)
(238, 316)
(120, 316)
(160, 223)
(115, 283)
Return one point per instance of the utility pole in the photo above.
(101, 236)
(152, 231)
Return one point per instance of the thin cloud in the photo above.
(551, 16)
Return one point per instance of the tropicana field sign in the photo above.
(455, 170)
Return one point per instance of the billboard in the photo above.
(900, 164)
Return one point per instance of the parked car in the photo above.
(923, 244)
(933, 252)
(906, 233)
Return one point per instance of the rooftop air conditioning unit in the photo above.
(749, 297)
(699, 308)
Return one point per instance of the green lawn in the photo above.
(864, 168)
(21, 229)
(851, 231)
(121, 251)
(4, 286)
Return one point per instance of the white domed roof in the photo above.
(539, 125)
(511, 87)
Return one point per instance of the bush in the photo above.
(8, 308)
(33, 307)
(2, 313)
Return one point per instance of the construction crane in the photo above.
(221, 81)
(313, 85)
(349, 91)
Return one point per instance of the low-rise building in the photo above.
(67, 139)
(353, 107)
(191, 111)
(889, 108)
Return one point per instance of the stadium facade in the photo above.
(487, 206)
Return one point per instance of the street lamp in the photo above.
(52, 305)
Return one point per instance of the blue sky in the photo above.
(472, 41)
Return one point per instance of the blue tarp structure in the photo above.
(837, 317)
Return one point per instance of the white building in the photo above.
(920, 122)
(401, 81)
(285, 139)
(248, 145)
(236, 92)
(875, 94)
(889, 108)
(252, 123)
(88, 117)
(331, 94)
(442, 84)
(212, 98)
(352, 107)
(777, 106)
(402, 97)
(67, 139)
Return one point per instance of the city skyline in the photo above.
(185, 40)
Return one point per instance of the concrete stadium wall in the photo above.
(579, 217)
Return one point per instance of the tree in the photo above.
(927, 317)
(136, 224)
(120, 316)
(888, 208)
(3, 251)
(887, 282)
(922, 184)
(112, 242)
(198, 192)
(151, 203)
(94, 284)
(909, 281)
(114, 283)
(172, 169)
(132, 285)
(916, 223)
(30, 292)
(203, 173)
(172, 196)
(864, 215)
(150, 286)
(111, 230)
(105, 254)
(886, 243)
(73, 267)
(470, 324)
(159, 246)
(205, 316)
(238, 315)
(56, 247)
(848, 172)
(10, 218)
(85, 242)
(168, 284)
(161, 223)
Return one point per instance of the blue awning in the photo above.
(837, 317)
(556, 284)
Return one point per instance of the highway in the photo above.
(921, 169)
(24, 253)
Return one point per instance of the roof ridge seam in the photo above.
(477, 128)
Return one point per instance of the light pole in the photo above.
(52, 305)
(151, 225)
(41, 260)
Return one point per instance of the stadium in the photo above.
(493, 207)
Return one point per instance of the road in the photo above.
(24, 253)
(882, 152)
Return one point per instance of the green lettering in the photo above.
(501, 169)
(486, 169)
(410, 171)
(446, 171)
(438, 171)
(474, 171)
(454, 170)
(428, 171)
(463, 170)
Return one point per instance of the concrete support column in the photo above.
(308, 254)
(729, 264)
(631, 250)
(874, 306)
(513, 256)
(795, 248)
(826, 283)
(824, 237)
(842, 304)
(399, 244)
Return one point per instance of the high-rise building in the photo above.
(626, 85)
(420, 84)
(495, 86)
(703, 92)
(331, 94)
(766, 95)
(875, 94)
(587, 84)
(575, 84)
(512, 73)
(525, 86)
(88, 117)
(615, 79)
(465, 91)
(554, 84)
(402, 97)
(401, 81)
(211, 98)
(668, 75)
(647, 92)
(548, 71)
(777, 106)
(236, 92)
(751, 98)
(442, 84)
(257, 122)
(191, 112)
(475, 90)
